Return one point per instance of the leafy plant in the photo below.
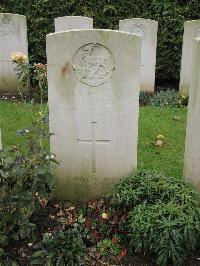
(168, 98)
(152, 187)
(163, 215)
(168, 230)
(106, 247)
(98, 221)
(25, 182)
(62, 248)
(34, 75)
(145, 98)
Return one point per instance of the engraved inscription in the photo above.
(197, 33)
(93, 141)
(93, 64)
(7, 27)
(138, 29)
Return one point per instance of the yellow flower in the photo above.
(160, 137)
(104, 215)
(183, 96)
(19, 57)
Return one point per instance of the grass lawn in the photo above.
(153, 121)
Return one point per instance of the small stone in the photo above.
(159, 143)
(176, 118)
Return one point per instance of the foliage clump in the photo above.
(163, 215)
(60, 248)
(26, 184)
(164, 98)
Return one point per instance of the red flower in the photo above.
(115, 218)
(122, 254)
(115, 240)
(124, 217)
(124, 251)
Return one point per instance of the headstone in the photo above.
(191, 31)
(0, 141)
(13, 38)
(72, 23)
(192, 144)
(147, 29)
(93, 79)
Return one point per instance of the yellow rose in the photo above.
(19, 57)
(104, 215)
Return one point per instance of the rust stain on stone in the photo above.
(66, 69)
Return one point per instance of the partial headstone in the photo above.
(147, 29)
(13, 38)
(72, 22)
(191, 31)
(192, 144)
(93, 85)
(0, 141)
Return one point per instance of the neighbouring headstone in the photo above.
(0, 141)
(192, 144)
(13, 37)
(191, 31)
(93, 81)
(147, 29)
(72, 23)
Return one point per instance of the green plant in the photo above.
(63, 248)
(152, 187)
(168, 98)
(169, 230)
(163, 215)
(98, 221)
(34, 75)
(145, 98)
(25, 182)
(106, 247)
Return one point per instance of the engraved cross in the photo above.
(93, 141)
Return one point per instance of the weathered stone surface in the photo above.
(93, 79)
(191, 31)
(72, 23)
(192, 144)
(13, 37)
(147, 29)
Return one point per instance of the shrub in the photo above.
(152, 187)
(168, 230)
(163, 215)
(62, 248)
(25, 183)
(168, 98)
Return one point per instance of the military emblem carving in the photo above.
(6, 26)
(93, 64)
(138, 29)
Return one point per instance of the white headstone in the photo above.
(72, 23)
(147, 29)
(93, 79)
(192, 144)
(191, 31)
(13, 38)
(0, 141)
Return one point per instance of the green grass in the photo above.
(152, 122)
